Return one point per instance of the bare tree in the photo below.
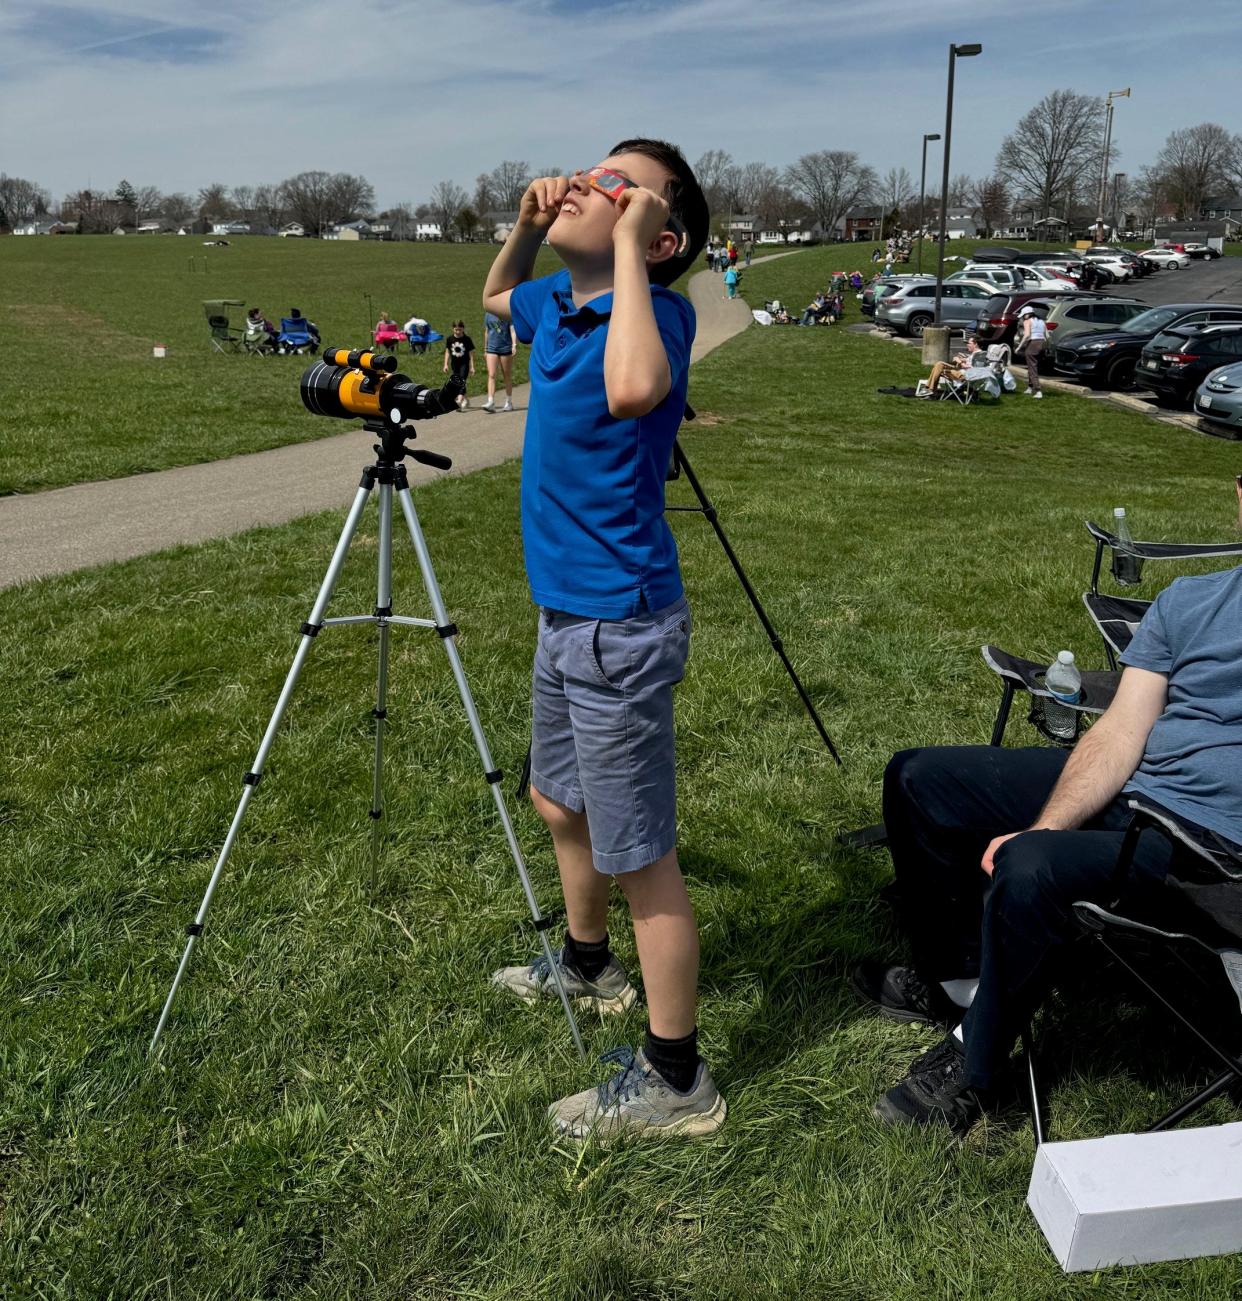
(961, 187)
(177, 207)
(269, 206)
(484, 194)
(1149, 196)
(307, 197)
(831, 182)
(467, 223)
(990, 198)
(1055, 149)
(349, 197)
(895, 189)
(20, 200)
(213, 202)
(147, 202)
(94, 213)
(401, 219)
(710, 171)
(447, 201)
(509, 182)
(242, 197)
(1196, 162)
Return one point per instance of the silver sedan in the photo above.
(1219, 397)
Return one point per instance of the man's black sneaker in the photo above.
(932, 1094)
(902, 994)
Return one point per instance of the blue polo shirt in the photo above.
(593, 528)
(1192, 763)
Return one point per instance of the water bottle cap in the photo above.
(1065, 657)
(1119, 512)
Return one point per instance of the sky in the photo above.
(408, 93)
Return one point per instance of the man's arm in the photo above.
(637, 376)
(515, 263)
(1103, 761)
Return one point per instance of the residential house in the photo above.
(428, 230)
(44, 228)
(350, 230)
(498, 225)
(230, 228)
(861, 225)
(742, 228)
(293, 230)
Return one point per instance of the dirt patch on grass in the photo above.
(53, 319)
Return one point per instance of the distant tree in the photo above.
(349, 197)
(20, 200)
(447, 201)
(269, 205)
(401, 219)
(989, 197)
(147, 202)
(213, 202)
(177, 207)
(1149, 196)
(93, 213)
(484, 194)
(242, 197)
(710, 170)
(508, 183)
(895, 189)
(307, 196)
(467, 223)
(127, 204)
(1195, 163)
(961, 187)
(1054, 149)
(831, 182)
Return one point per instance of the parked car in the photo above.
(1119, 267)
(1014, 276)
(1219, 398)
(1200, 251)
(998, 319)
(1169, 258)
(910, 308)
(1177, 361)
(1107, 358)
(879, 288)
(1133, 260)
(1070, 316)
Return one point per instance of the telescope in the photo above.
(362, 383)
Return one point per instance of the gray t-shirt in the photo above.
(1192, 764)
(499, 340)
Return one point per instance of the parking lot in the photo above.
(1217, 280)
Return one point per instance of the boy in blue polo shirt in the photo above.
(610, 350)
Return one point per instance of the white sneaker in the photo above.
(489, 405)
(508, 406)
(1035, 395)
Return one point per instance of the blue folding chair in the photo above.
(295, 335)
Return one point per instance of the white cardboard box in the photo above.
(1133, 1198)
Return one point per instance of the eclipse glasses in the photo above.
(610, 184)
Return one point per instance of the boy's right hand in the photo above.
(541, 203)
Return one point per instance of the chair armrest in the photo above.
(1098, 686)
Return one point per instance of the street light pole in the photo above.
(1108, 141)
(922, 191)
(955, 52)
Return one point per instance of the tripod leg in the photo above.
(448, 632)
(383, 608)
(709, 513)
(310, 630)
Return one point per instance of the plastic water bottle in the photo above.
(1064, 683)
(1127, 570)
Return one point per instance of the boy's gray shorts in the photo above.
(602, 738)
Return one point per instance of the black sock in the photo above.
(676, 1059)
(588, 960)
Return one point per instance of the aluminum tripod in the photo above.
(390, 475)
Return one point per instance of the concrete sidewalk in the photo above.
(56, 532)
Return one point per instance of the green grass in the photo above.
(341, 1107)
(83, 315)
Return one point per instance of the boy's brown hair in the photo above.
(685, 199)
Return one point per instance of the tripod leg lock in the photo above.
(494, 776)
(543, 923)
(252, 779)
(375, 814)
(449, 630)
(383, 611)
(311, 629)
(194, 928)
(379, 713)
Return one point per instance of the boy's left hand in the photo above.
(643, 215)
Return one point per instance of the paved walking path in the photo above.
(55, 532)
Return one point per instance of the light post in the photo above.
(922, 189)
(1108, 141)
(1115, 206)
(955, 52)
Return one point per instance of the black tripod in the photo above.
(390, 475)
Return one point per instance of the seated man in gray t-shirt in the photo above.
(991, 846)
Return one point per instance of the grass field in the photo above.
(342, 1108)
(84, 314)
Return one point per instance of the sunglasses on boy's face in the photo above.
(610, 184)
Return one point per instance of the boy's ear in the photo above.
(663, 247)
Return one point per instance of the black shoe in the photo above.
(902, 994)
(932, 1094)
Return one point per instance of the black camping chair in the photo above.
(1205, 884)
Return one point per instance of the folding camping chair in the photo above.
(1205, 899)
(295, 335)
(975, 382)
(225, 336)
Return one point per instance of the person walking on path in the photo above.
(1034, 333)
(731, 278)
(498, 349)
(459, 350)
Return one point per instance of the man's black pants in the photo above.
(942, 807)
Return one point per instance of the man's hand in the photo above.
(643, 215)
(541, 204)
(989, 854)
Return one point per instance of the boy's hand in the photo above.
(541, 204)
(643, 215)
